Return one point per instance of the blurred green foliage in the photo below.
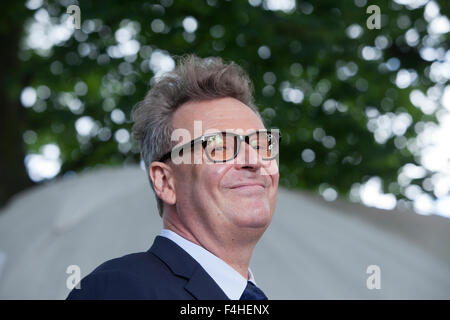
(308, 73)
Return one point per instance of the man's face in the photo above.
(211, 196)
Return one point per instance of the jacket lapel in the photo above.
(200, 284)
(203, 287)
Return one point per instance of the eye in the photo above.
(217, 143)
(215, 139)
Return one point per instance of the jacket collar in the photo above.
(200, 284)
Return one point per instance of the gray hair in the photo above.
(194, 79)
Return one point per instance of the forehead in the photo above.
(221, 114)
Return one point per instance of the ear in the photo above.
(163, 182)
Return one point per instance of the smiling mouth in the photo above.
(248, 188)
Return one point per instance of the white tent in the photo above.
(314, 249)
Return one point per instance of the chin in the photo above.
(256, 218)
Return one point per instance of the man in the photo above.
(212, 165)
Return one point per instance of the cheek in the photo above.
(207, 179)
(212, 175)
(275, 180)
(183, 176)
(273, 173)
(274, 191)
(271, 170)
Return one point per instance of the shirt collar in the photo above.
(229, 280)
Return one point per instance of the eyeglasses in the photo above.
(224, 146)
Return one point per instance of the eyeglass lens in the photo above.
(223, 146)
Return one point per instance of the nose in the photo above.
(248, 158)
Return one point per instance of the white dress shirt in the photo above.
(229, 280)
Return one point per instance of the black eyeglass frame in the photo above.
(204, 141)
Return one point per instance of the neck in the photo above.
(233, 249)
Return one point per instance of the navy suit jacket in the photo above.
(165, 271)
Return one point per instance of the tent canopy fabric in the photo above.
(313, 249)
